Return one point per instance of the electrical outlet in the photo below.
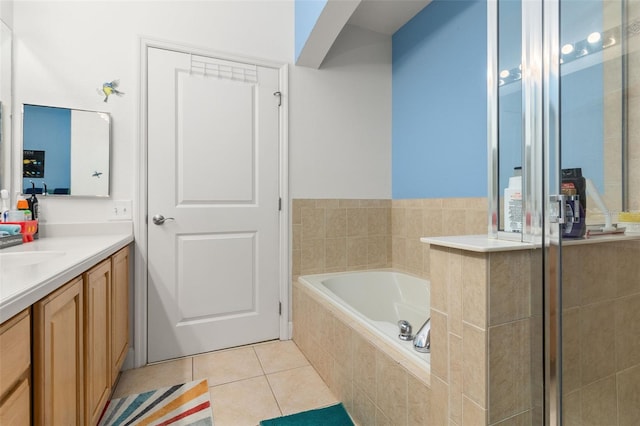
(121, 210)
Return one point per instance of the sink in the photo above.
(26, 258)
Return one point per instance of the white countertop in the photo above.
(477, 243)
(484, 244)
(22, 286)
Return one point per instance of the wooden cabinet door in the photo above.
(119, 310)
(58, 357)
(16, 409)
(97, 336)
(15, 370)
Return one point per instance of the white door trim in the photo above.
(140, 225)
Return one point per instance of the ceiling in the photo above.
(385, 16)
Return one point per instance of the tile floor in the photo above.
(247, 384)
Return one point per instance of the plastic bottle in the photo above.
(513, 202)
(34, 207)
(4, 209)
(23, 205)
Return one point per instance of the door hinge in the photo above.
(279, 308)
(280, 204)
(279, 95)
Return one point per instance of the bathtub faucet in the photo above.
(405, 330)
(422, 340)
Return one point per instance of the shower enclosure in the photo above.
(564, 94)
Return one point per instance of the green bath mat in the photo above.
(335, 415)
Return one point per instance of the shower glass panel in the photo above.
(593, 290)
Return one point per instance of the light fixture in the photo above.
(567, 49)
(504, 73)
(594, 37)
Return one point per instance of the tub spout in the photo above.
(422, 341)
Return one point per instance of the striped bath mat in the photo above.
(180, 405)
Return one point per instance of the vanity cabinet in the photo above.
(58, 348)
(97, 338)
(15, 370)
(119, 310)
(80, 340)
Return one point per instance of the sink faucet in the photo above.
(422, 340)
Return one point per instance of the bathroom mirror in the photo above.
(65, 151)
(594, 128)
(5, 105)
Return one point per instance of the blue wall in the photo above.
(307, 13)
(439, 103)
(49, 129)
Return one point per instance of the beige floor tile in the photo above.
(245, 402)
(153, 377)
(300, 389)
(227, 366)
(280, 356)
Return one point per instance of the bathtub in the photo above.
(377, 300)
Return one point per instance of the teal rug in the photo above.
(335, 415)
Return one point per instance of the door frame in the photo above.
(140, 289)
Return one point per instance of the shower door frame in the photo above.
(540, 148)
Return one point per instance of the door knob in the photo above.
(159, 219)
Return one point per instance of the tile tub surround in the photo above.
(431, 217)
(481, 358)
(360, 370)
(331, 235)
(601, 333)
(335, 235)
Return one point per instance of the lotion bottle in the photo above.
(513, 202)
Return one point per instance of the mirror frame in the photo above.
(19, 155)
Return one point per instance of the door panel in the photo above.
(222, 168)
(213, 153)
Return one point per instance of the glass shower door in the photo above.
(592, 277)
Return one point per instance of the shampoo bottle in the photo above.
(513, 202)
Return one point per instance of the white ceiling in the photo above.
(386, 16)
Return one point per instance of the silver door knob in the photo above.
(159, 219)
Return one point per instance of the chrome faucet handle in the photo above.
(405, 330)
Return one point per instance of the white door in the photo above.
(213, 167)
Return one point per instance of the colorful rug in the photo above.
(187, 404)
(334, 415)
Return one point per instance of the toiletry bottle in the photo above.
(513, 202)
(4, 210)
(574, 186)
(23, 205)
(34, 207)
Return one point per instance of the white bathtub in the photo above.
(378, 300)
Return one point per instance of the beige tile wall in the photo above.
(634, 108)
(434, 217)
(601, 333)
(333, 235)
(340, 235)
(481, 337)
(613, 126)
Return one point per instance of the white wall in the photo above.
(341, 121)
(339, 116)
(6, 12)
